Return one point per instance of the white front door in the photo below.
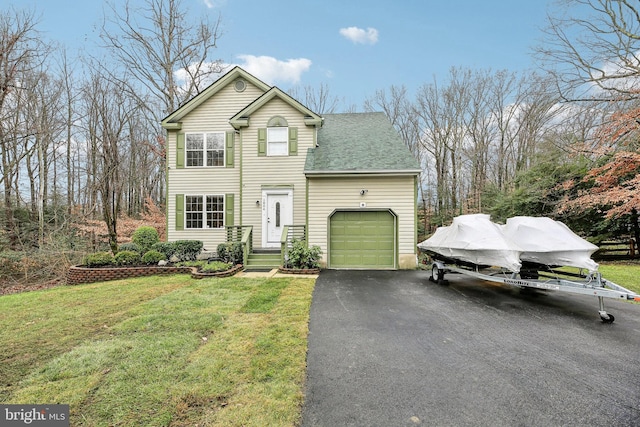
(277, 212)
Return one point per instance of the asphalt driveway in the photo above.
(390, 348)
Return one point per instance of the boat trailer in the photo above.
(536, 276)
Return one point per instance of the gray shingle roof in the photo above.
(359, 143)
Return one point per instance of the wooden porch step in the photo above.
(263, 258)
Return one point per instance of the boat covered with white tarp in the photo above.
(523, 253)
(474, 239)
(548, 242)
(477, 240)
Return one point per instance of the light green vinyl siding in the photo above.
(395, 193)
(211, 116)
(264, 173)
(362, 239)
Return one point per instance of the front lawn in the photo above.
(160, 350)
(626, 275)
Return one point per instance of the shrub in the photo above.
(230, 252)
(145, 237)
(98, 259)
(127, 258)
(216, 266)
(168, 249)
(187, 250)
(130, 246)
(152, 257)
(302, 256)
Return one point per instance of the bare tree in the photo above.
(591, 47)
(399, 110)
(401, 113)
(108, 111)
(21, 52)
(480, 134)
(69, 98)
(153, 43)
(40, 112)
(318, 100)
(441, 112)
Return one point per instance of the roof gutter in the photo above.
(332, 173)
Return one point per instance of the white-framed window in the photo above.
(204, 211)
(277, 141)
(204, 149)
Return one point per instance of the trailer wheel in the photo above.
(437, 275)
(607, 318)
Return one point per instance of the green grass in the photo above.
(626, 275)
(160, 351)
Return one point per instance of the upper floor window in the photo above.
(277, 136)
(277, 141)
(205, 149)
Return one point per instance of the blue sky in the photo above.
(354, 47)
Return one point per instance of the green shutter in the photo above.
(229, 153)
(179, 211)
(229, 209)
(293, 141)
(262, 141)
(180, 150)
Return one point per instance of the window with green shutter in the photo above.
(277, 141)
(197, 211)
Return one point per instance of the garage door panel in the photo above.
(362, 239)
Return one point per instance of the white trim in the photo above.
(204, 211)
(205, 150)
(265, 212)
(272, 143)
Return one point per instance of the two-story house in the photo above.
(246, 161)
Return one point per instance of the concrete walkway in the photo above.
(272, 273)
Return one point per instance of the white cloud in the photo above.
(211, 4)
(208, 67)
(620, 74)
(359, 35)
(272, 70)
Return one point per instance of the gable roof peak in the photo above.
(240, 119)
(230, 76)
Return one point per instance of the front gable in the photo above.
(241, 119)
(236, 78)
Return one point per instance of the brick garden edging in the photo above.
(227, 273)
(78, 274)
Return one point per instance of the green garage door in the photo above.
(362, 239)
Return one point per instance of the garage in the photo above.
(362, 239)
